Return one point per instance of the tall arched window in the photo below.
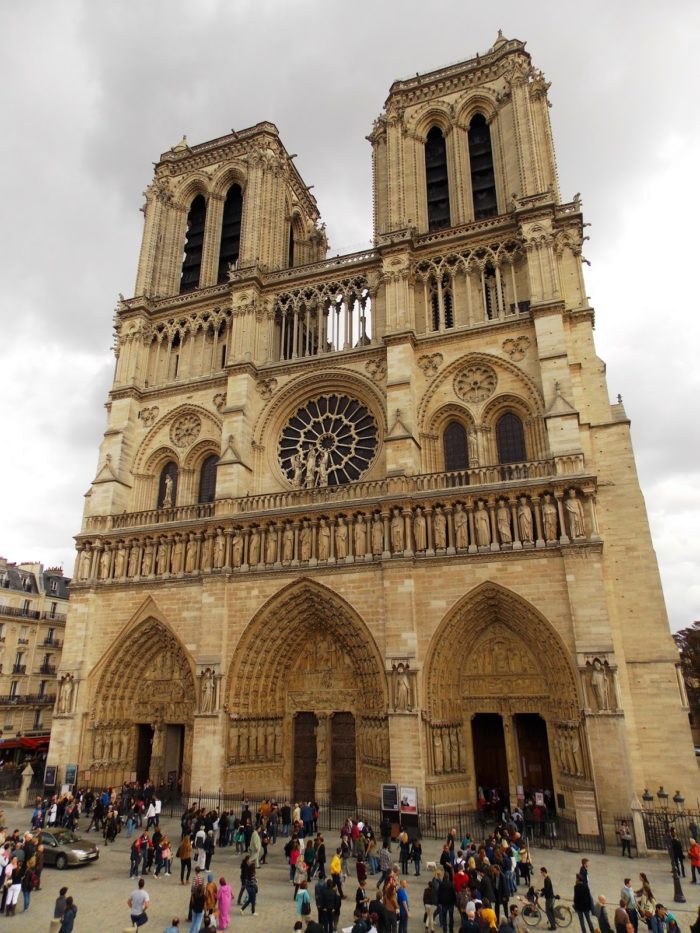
(436, 181)
(230, 231)
(481, 165)
(167, 486)
(194, 241)
(510, 439)
(207, 479)
(454, 444)
(290, 246)
(441, 308)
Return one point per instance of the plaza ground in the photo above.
(102, 888)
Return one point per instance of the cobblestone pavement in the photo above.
(102, 888)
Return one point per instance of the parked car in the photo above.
(62, 847)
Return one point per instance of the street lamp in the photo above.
(669, 820)
(647, 800)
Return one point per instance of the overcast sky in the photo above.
(92, 93)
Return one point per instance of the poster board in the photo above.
(586, 813)
(390, 797)
(408, 800)
(50, 775)
(71, 774)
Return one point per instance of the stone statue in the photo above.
(360, 536)
(191, 554)
(85, 558)
(482, 525)
(574, 510)
(134, 560)
(147, 564)
(445, 733)
(549, 518)
(310, 468)
(271, 544)
(377, 534)
(254, 547)
(237, 547)
(419, 530)
(104, 564)
(305, 541)
(454, 749)
(324, 463)
(324, 540)
(437, 752)
(503, 522)
(461, 534)
(288, 543)
(473, 446)
(168, 493)
(440, 528)
(402, 689)
(575, 746)
(341, 539)
(397, 531)
(525, 521)
(298, 465)
(162, 556)
(177, 555)
(219, 549)
(321, 730)
(233, 736)
(206, 691)
(206, 553)
(64, 703)
(119, 562)
(600, 685)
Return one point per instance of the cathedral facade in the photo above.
(371, 518)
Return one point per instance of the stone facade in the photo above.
(425, 517)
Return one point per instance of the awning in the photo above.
(41, 741)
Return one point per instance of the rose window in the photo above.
(475, 383)
(330, 441)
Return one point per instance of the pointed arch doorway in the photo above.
(143, 709)
(307, 700)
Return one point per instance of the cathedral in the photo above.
(371, 518)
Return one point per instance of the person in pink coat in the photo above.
(223, 902)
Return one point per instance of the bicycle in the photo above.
(533, 914)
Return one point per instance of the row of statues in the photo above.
(254, 740)
(110, 746)
(447, 745)
(373, 739)
(503, 523)
(569, 755)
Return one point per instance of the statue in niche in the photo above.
(261, 740)
(104, 564)
(233, 742)
(119, 562)
(288, 543)
(85, 557)
(461, 534)
(402, 688)
(98, 746)
(270, 743)
(575, 746)
(191, 554)
(377, 534)
(206, 553)
(360, 536)
(162, 556)
(310, 468)
(473, 446)
(64, 703)
(341, 539)
(168, 493)
(525, 521)
(134, 557)
(600, 685)
(446, 749)
(482, 525)
(271, 544)
(324, 462)
(147, 563)
(305, 540)
(440, 528)
(324, 540)
(419, 530)
(298, 467)
(254, 547)
(454, 749)
(219, 549)
(574, 511)
(396, 531)
(177, 555)
(549, 518)
(437, 752)
(503, 522)
(237, 547)
(206, 691)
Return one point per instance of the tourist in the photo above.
(582, 903)
(59, 907)
(416, 854)
(255, 847)
(622, 917)
(404, 911)
(210, 894)
(659, 922)
(174, 926)
(68, 919)
(197, 907)
(694, 856)
(251, 888)
(678, 854)
(601, 915)
(184, 853)
(303, 901)
(223, 903)
(625, 835)
(13, 874)
(646, 902)
(138, 903)
(629, 902)
(336, 872)
(548, 894)
(244, 877)
(446, 900)
(404, 851)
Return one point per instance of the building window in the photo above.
(207, 479)
(54, 586)
(481, 165)
(436, 180)
(13, 688)
(167, 486)
(42, 688)
(230, 231)
(454, 443)
(54, 607)
(194, 242)
(441, 306)
(37, 720)
(290, 247)
(50, 636)
(510, 439)
(26, 607)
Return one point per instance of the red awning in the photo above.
(10, 743)
(41, 741)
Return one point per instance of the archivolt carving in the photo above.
(475, 383)
(185, 430)
(459, 664)
(310, 623)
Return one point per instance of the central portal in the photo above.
(343, 765)
(304, 785)
(490, 762)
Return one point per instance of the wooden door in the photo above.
(304, 783)
(343, 777)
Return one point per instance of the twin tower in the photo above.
(371, 518)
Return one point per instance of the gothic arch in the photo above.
(482, 103)
(210, 430)
(277, 637)
(198, 183)
(488, 612)
(227, 176)
(424, 121)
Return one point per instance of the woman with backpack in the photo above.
(303, 901)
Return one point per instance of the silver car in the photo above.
(62, 847)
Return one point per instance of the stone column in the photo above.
(539, 538)
(387, 534)
(472, 549)
(323, 756)
(495, 546)
(563, 538)
(511, 743)
(428, 512)
(408, 533)
(451, 543)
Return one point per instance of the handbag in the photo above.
(305, 907)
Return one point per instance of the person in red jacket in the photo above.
(694, 856)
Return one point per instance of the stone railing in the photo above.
(180, 513)
(529, 513)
